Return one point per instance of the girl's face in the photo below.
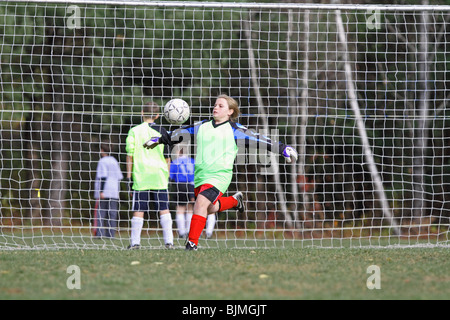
(221, 111)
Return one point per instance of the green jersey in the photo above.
(216, 151)
(150, 170)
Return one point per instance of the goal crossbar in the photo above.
(212, 4)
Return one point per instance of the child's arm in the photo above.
(241, 132)
(171, 138)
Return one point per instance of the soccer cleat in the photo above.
(169, 246)
(240, 199)
(133, 247)
(190, 246)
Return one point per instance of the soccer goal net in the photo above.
(360, 91)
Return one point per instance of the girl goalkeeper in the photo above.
(217, 147)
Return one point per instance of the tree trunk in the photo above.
(351, 91)
(274, 168)
(421, 128)
(59, 154)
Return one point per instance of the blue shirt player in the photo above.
(182, 180)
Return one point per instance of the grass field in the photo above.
(241, 274)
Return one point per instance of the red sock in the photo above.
(197, 225)
(227, 203)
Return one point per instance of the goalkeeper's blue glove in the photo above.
(289, 153)
(153, 142)
(165, 139)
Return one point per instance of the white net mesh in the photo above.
(361, 93)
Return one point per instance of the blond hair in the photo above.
(232, 104)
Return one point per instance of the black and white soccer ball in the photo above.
(177, 111)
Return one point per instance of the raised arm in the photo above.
(171, 138)
(243, 133)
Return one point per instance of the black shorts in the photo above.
(142, 199)
(209, 192)
(182, 193)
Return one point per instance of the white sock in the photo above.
(136, 228)
(188, 221)
(210, 223)
(166, 224)
(181, 224)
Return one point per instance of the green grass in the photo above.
(411, 273)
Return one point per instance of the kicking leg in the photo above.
(235, 201)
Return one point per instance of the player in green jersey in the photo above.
(148, 171)
(217, 147)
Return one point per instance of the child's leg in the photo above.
(226, 203)
(181, 220)
(189, 212)
(137, 222)
(198, 220)
(166, 223)
(206, 202)
(102, 216)
(236, 201)
(113, 217)
(140, 205)
(210, 224)
(161, 203)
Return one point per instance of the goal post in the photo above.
(361, 91)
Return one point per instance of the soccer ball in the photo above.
(176, 111)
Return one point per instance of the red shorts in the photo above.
(209, 192)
